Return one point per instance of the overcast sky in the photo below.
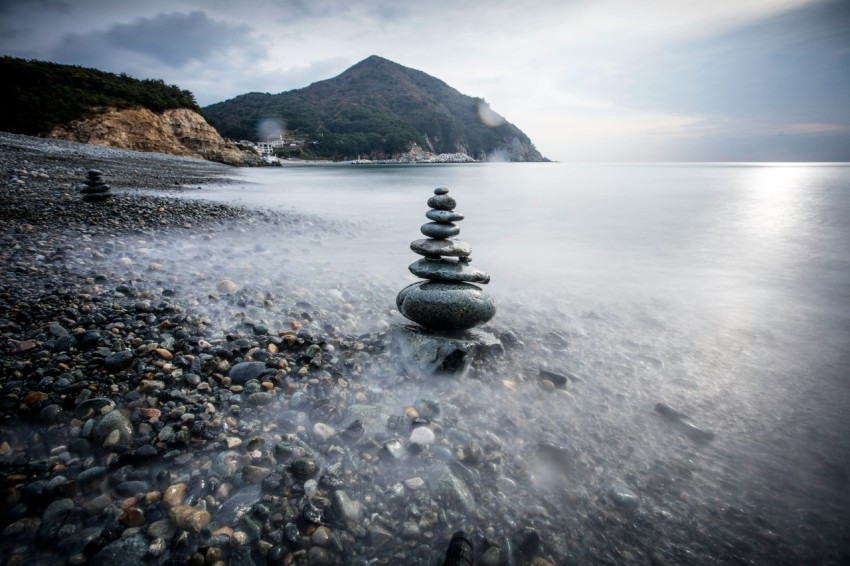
(599, 80)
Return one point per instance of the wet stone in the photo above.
(444, 215)
(114, 421)
(624, 496)
(292, 535)
(323, 432)
(318, 556)
(433, 248)
(118, 361)
(345, 508)
(353, 432)
(422, 435)
(127, 551)
(379, 536)
(445, 306)
(238, 504)
(174, 495)
(88, 340)
(313, 514)
(490, 557)
(132, 517)
(255, 474)
(189, 518)
(57, 507)
(260, 398)
(442, 202)
(444, 354)
(321, 536)
(410, 530)
(91, 475)
(132, 487)
(439, 230)
(448, 270)
(243, 372)
(394, 449)
(303, 469)
(452, 491)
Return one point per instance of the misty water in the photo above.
(721, 290)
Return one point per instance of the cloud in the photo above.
(579, 77)
(10, 6)
(810, 129)
(171, 39)
(14, 27)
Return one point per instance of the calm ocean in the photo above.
(720, 289)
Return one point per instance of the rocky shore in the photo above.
(132, 432)
(186, 408)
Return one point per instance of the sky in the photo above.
(586, 80)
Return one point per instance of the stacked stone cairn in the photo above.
(93, 188)
(447, 300)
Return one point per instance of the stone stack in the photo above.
(447, 300)
(93, 188)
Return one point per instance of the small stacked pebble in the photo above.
(93, 188)
(447, 300)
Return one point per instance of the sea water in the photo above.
(722, 290)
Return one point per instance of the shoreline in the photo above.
(135, 428)
(165, 398)
(40, 179)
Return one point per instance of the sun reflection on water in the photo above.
(776, 202)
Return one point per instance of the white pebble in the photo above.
(311, 487)
(422, 435)
(323, 431)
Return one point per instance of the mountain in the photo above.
(377, 109)
(92, 106)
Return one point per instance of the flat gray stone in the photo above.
(439, 230)
(451, 248)
(442, 202)
(451, 491)
(118, 361)
(130, 551)
(443, 354)
(445, 306)
(114, 420)
(345, 508)
(441, 191)
(448, 270)
(244, 372)
(444, 215)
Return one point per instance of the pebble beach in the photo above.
(162, 409)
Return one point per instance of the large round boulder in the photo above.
(445, 306)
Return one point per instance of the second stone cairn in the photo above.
(447, 300)
(93, 188)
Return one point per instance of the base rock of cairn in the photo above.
(93, 188)
(444, 353)
(446, 305)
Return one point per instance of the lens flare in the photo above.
(488, 116)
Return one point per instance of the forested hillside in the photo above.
(39, 95)
(377, 109)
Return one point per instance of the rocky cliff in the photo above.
(178, 131)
